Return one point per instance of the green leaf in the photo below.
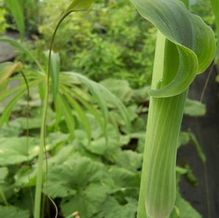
(55, 70)
(111, 209)
(22, 48)
(98, 144)
(193, 43)
(183, 209)
(194, 108)
(17, 11)
(80, 5)
(74, 173)
(78, 181)
(81, 115)
(3, 174)
(124, 178)
(86, 202)
(120, 88)
(7, 111)
(11, 212)
(184, 138)
(33, 123)
(16, 150)
(25, 177)
(129, 160)
(100, 95)
(67, 112)
(198, 148)
(6, 71)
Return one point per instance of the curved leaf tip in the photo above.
(80, 5)
(193, 39)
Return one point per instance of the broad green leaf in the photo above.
(33, 123)
(124, 178)
(129, 160)
(193, 43)
(86, 202)
(98, 144)
(11, 212)
(16, 150)
(59, 189)
(111, 209)
(75, 172)
(10, 131)
(120, 88)
(62, 155)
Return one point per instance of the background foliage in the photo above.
(114, 46)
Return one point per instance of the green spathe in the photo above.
(185, 47)
(193, 39)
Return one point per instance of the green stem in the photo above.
(40, 164)
(158, 181)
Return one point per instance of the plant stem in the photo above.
(158, 181)
(40, 164)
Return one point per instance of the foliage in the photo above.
(71, 84)
(112, 41)
(95, 179)
(93, 161)
(3, 23)
(203, 9)
(17, 10)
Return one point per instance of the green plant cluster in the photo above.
(3, 23)
(203, 9)
(92, 169)
(94, 179)
(109, 41)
